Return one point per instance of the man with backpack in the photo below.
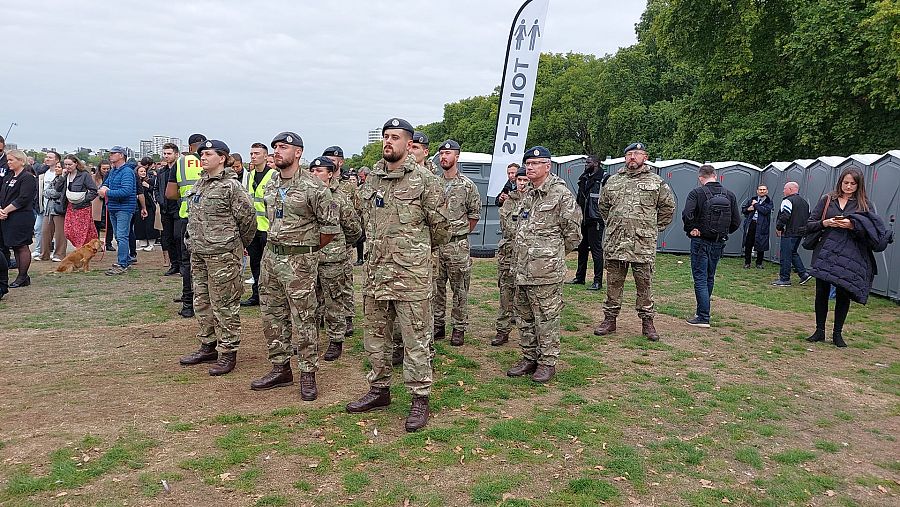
(710, 214)
(589, 185)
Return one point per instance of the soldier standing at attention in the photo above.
(404, 218)
(336, 155)
(452, 261)
(303, 218)
(506, 276)
(221, 224)
(260, 174)
(635, 204)
(333, 260)
(549, 228)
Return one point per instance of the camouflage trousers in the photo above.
(414, 319)
(506, 281)
(217, 290)
(452, 263)
(616, 271)
(332, 298)
(287, 298)
(349, 299)
(539, 308)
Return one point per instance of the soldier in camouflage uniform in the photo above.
(506, 275)
(221, 224)
(452, 261)
(549, 228)
(334, 277)
(635, 204)
(404, 219)
(303, 218)
(347, 188)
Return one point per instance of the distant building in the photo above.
(146, 148)
(374, 136)
(12, 146)
(154, 145)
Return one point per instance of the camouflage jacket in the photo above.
(299, 209)
(222, 217)
(404, 216)
(463, 203)
(351, 229)
(509, 220)
(549, 228)
(635, 207)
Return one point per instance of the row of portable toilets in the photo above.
(815, 177)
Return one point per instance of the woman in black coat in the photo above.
(18, 189)
(757, 211)
(843, 257)
(144, 230)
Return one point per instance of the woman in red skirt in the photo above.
(78, 190)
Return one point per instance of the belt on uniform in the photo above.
(291, 250)
(459, 238)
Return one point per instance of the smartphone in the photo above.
(838, 217)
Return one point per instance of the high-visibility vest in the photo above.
(257, 194)
(187, 172)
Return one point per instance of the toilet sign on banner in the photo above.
(523, 53)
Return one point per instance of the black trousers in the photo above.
(168, 241)
(4, 267)
(187, 290)
(360, 244)
(841, 305)
(255, 252)
(749, 241)
(591, 241)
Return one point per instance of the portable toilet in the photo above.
(742, 179)
(569, 168)
(681, 176)
(612, 165)
(477, 166)
(883, 191)
(795, 171)
(772, 177)
(861, 161)
(818, 179)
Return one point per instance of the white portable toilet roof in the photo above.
(475, 157)
(892, 153)
(863, 158)
(567, 158)
(732, 163)
(831, 161)
(662, 164)
(779, 166)
(613, 161)
(803, 162)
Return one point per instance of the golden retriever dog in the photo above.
(81, 258)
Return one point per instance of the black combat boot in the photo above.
(457, 338)
(818, 336)
(838, 339)
(280, 376)
(253, 300)
(349, 330)
(439, 332)
(308, 389)
(334, 351)
(187, 310)
(205, 354)
(397, 355)
(501, 338)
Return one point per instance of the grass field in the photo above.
(96, 411)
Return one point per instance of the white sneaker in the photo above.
(36, 254)
(249, 281)
(55, 259)
(148, 248)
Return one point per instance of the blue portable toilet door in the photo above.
(742, 181)
(883, 191)
(681, 178)
(773, 179)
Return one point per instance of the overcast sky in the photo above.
(97, 73)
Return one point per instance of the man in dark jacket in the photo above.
(756, 210)
(710, 214)
(168, 210)
(589, 184)
(790, 226)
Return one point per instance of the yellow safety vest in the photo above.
(257, 194)
(187, 173)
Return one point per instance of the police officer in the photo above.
(186, 173)
(220, 225)
(343, 185)
(404, 218)
(635, 204)
(549, 228)
(303, 218)
(452, 261)
(506, 275)
(334, 277)
(260, 174)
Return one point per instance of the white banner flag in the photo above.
(517, 90)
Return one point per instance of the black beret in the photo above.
(636, 146)
(419, 137)
(214, 144)
(398, 123)
(333, 151)
(449, 144)
(536, 152)
(289, 138)
(520, 172)
(322, 161)
(196, 138)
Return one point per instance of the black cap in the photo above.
(636, 146)
(196, 138)
(333, 151)
(398, 123)
(214, 144)
(536, 152)
(420, 138)
(449, 144)
(288, 138)
(322, 161)
(520, 172)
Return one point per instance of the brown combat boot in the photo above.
(334, 351)
(280, 376)
(205, 354)
(349, 330)
(648, 330)
(501, 338)
(397, 356)
(308, 390)
(457, 338)
(439, 332)
(377, 397)
(418, 414)
(224, 365)
(608, 326)
(543, 373)
(523, 367)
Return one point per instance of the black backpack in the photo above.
(716, 217)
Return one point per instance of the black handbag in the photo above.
(811, 240)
